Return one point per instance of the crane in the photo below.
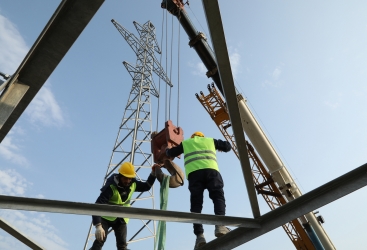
(251, 127)
(264, 183)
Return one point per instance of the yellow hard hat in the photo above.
(127, 170)
(197, 133)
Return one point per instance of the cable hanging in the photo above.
(160, 62)
(165, 111)
(169, 66)
(178, 72)
(170, 74)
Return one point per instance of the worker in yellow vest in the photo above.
(118, 190)
(202, 173)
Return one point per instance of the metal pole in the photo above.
(214, 20)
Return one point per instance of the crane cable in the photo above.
(160, 241)
(160, 234)
(170, 73)
(169, 63)
(165, 111)
(178, 69)
(159, 80)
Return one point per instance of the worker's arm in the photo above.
(145, 186)
(175, 151)
(220, 145)
(103, 198)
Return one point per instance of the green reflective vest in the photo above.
(199, 153)
(116, 200)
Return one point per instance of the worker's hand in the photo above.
(100, 233)
(154, 167)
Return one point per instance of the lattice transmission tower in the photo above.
(133, 142)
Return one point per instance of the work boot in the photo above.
(200, 241)
(220, 230)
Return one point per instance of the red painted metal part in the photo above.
(169, 137)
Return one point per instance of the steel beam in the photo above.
(215, 25)
(59, 34)
(306, 203)
(67, 207)
(16, 234)
(10, 99)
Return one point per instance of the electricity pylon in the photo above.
(134, 134)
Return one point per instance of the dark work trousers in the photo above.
(200, 180)
(119, 227)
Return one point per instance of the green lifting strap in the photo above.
(161, 231)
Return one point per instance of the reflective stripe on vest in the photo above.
(199, 153)
(116, 200)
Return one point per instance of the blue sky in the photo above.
(301, 65)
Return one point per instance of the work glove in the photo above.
(100, 233)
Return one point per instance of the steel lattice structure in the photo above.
(134, 135)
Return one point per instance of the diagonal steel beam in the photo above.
(67, 207)
(19, 236)
(214, 21)
(306, 203)
(59, 34)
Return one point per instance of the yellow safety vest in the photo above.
(116, 200)
(199, 153)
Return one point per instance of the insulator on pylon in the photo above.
(213, 85)
(201, 93)
(197, 96)
(209, 87)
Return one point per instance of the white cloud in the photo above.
(199, 69)
(40, 196)
(10, 151)
(34, 225)
(276, 73)
(235, 59)
(275, 77)
(12, 183)
(45, 110)
(12, 46)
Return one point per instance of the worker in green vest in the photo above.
(202, 172)
(118, 190)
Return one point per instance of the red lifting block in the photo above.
(170, 136)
